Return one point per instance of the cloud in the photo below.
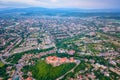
(53, 0)
(92, 4)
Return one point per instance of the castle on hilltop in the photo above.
(56, 61)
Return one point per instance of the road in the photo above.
(16, 75)
(77, 63)
(1, 58)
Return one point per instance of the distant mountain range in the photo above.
(58, 11)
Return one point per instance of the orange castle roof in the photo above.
(29, 78)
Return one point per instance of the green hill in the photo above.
(1, 64)
(44, 71)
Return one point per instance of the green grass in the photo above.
(44, 71)
(1, 64)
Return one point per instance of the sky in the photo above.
(80, 4)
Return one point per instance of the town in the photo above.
(75, 48)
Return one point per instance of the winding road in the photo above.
(77, 63)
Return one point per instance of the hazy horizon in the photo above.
(78, 4)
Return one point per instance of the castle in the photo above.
(56, 61)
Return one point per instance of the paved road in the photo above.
(1, 58)
(78, 62)
(16, 75)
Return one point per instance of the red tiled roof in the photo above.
(29, 78)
